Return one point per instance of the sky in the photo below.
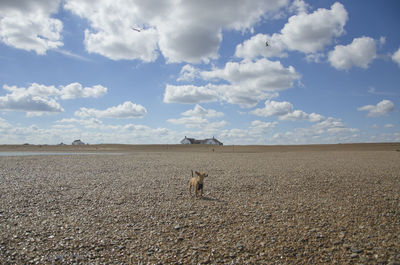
(263, 72)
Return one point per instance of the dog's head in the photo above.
(201, 175)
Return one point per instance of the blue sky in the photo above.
(143, 72)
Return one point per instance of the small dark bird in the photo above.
(135, 29)
(266, 44)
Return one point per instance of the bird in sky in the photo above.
(135, 29)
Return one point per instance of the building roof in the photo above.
(204, 141)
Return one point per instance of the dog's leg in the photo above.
(190, 188)
(196, 188)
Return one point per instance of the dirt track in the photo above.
(305, 207)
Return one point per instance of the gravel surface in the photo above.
(305, 207)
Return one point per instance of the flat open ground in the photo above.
(335, 204)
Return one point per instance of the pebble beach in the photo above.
(336, 205)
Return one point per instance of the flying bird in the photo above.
(266, 44)
(135, 29)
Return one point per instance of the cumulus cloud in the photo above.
(329, 130)
(110, 33)
(199, 111)
(197, 122)
(298, 115)
(188, 73)
(34, 100)
(260, 127)
(198, 117)
(256, 46)
(127, 45)
(273, 108)
(307, 33)
(76, 90)
(38, 99)
(264, 75)
(28, 25)
(299, 6)
(124, 110)
(184, 31)
(359, 53)
(249, 82)
(396, 57)
(189, 94)
(380, 109)
(91, 123)
(244, 83)
(190, 122)
(284, 110)
(4, 125)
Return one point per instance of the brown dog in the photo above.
(197, 183)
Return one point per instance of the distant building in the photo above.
(78, 142)
(212, 141)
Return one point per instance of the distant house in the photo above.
(213, 141)
(78, 142)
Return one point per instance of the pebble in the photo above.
(308, 207)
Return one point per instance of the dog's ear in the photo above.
(197, 173)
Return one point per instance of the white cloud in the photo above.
(359, 53)
(284, 110)
(73, 55)
(307, 33)
(242, 96)
(124, 110)
(188, 73)
(192, 31)
(330, 130)
(382, 108)
(389, 125)
(396, 57)
(35, 100)
(91, 131)
(298, 115)
(28, 25)
(189, 94)
(274, 108)
(4, 125)
(310, 33)
(123, 44)
(264, 75)
(190, 122)
(76, 90)
(244, 83)
(198, 122)
(260, 127)
(198, 118)
(89, 123)
(250, 82)
(199, 111)
(39, 99)
(111, 33)
(256, 46)
(315, 57)
(299, 6)
(189, 31)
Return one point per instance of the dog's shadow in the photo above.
(207, 198)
